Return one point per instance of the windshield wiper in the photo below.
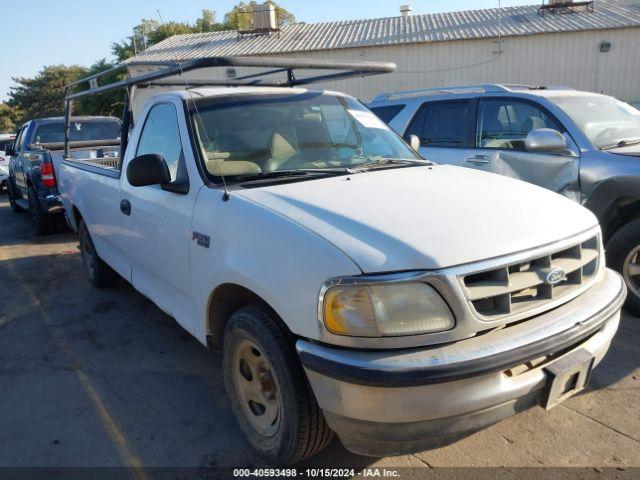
(622, 143)
(388, 162)
(303, 172)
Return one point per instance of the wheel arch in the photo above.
(224, 301)
(615, 202)
(623, 212)
(76, 215)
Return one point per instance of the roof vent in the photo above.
(257, 19)
(405, 10)
(565, 6)
(264, 17)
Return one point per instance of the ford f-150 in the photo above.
(352, 286)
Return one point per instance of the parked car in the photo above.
(5, 139)
(352, 286)
(36, 155)
(582, 145)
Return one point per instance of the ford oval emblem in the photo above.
(555, 276)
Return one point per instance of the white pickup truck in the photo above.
(352, 286)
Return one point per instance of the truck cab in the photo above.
(582, 145)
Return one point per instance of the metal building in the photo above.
(590, 47)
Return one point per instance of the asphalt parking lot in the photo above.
(103, 378)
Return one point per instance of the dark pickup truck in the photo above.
(37, 153)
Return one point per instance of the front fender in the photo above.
(607, 194)
(282, 262)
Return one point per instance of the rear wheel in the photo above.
(100, 274)
(269, 392)
(12, 197)
(623, 255)
(43, 223)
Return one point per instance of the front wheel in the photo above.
(100, 274)
(623, 255)
(268, 390)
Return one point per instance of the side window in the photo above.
(388, 113)
(161, 135)
(440, 124)
(20, 138)
(505, 123)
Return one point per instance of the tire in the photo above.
(623, 252)
(43, 223)
(12, 198)
(100, 274)
(299, 429)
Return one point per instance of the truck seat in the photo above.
(281, 152)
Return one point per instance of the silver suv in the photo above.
(582, 145)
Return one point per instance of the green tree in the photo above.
(149, 32)
(8, 116)
(108, 103)
(207, 23)
(43, 95)
(137, 42)
(241, 16)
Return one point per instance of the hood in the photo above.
(631, 150)
(425, 217)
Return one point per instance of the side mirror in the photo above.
(545, 140)
(149, 169)
(414, 142)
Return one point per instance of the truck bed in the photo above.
(103, 154)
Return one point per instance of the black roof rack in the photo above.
(276, 65)
(341, 70)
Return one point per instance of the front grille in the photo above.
(514, 288)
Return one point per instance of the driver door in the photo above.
(502, 125)
(155, 222)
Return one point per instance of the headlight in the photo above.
(385, 310)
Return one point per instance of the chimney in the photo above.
(264, 17)
(405, 10)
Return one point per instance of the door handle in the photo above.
(125, 206)
(478, 159)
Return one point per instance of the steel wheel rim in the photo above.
(257, 387)
(631, 271)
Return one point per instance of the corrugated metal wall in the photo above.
(572, 59)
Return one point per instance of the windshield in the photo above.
(265, 134)
(81, 131)
(607, 122)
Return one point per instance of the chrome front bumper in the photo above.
(398, 401)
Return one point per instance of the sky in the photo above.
(47, 32)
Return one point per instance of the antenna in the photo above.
(499, 42)
(226, 195)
